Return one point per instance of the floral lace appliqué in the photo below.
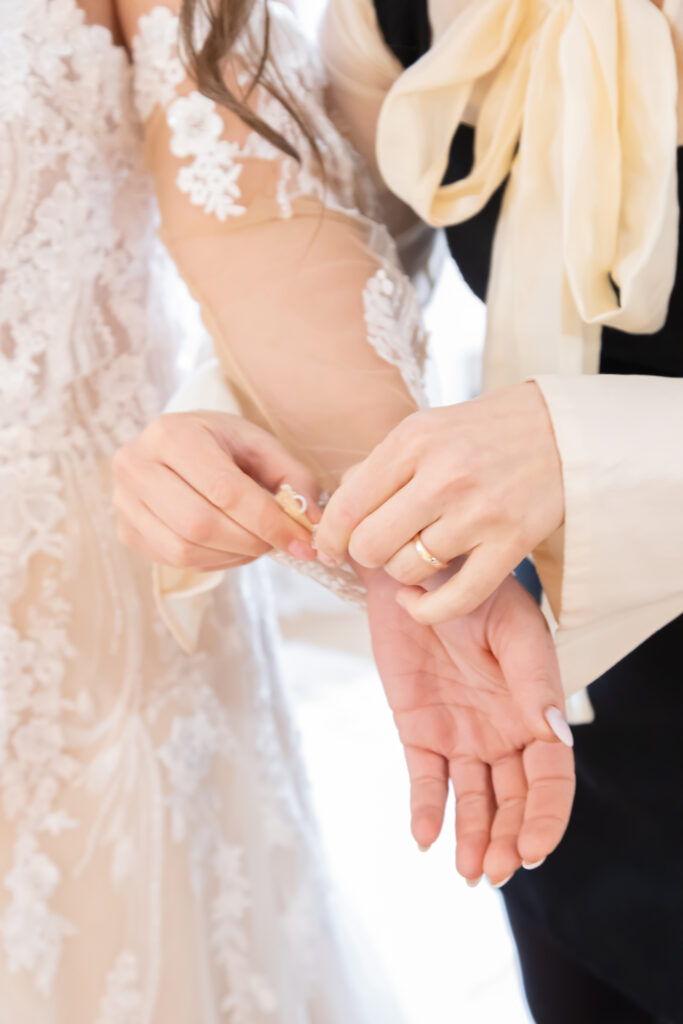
(390, 304)
(211, 180)
(122, 999)
(158, 67)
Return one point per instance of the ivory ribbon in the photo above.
(576, 103)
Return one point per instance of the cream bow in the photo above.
(578, 104)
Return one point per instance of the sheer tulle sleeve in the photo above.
(360, 70)
(315, 325)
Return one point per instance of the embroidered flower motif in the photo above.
(195, 123)
(159, 70)
(14, 94)
(211, 181)
(32, 933)
(31, 510)
(122, 1000)
(188, 751)
(389, 299)
(247, 991)
(37, 742)
(193, 744)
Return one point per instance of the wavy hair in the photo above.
(227, 20)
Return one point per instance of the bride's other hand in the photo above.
(471, 701)
(195, 490)
(482, 479)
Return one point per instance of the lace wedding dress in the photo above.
(158, 862)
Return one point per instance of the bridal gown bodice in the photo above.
(157, 858)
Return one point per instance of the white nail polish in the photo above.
(499, 885)
(473, 882)
(560, 726)
(530, 865)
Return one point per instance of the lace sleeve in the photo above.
(316, 327)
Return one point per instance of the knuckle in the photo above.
(365, 549)
(462, 474)
(179, 554)
(126, 464)
(223, 491)
(463, 603)
(120, 461)
(418, 422)
(424, 616)
(405, 574)
(169, 429)
(347, 512)
(124, 533)
(156, 432)
(413, 434)
(270, 527)
(116, 500)
(522, 539)
(304, 481)
(199, 528)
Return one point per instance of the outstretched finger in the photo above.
(549, 769)
(510, 788)
(474, 810)
(520, 639)
(428, 794)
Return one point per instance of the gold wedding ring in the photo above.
(426, 555)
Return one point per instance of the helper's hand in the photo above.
(481, 479)
(195, 490)
(478, 702)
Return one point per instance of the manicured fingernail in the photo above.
(530, 865)
(423, 849)
(499, 885)
(302, 551)
(560, 726)
(473, 882)
(327, 560)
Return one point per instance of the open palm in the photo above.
(469, 699)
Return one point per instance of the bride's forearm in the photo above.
(317, 330)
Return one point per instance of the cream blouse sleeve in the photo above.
(614, 576)
(316, 328)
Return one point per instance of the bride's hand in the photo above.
(482, 479)
(470, 700)
(195, 490)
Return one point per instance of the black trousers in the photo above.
(601, 922)
(560, 991)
